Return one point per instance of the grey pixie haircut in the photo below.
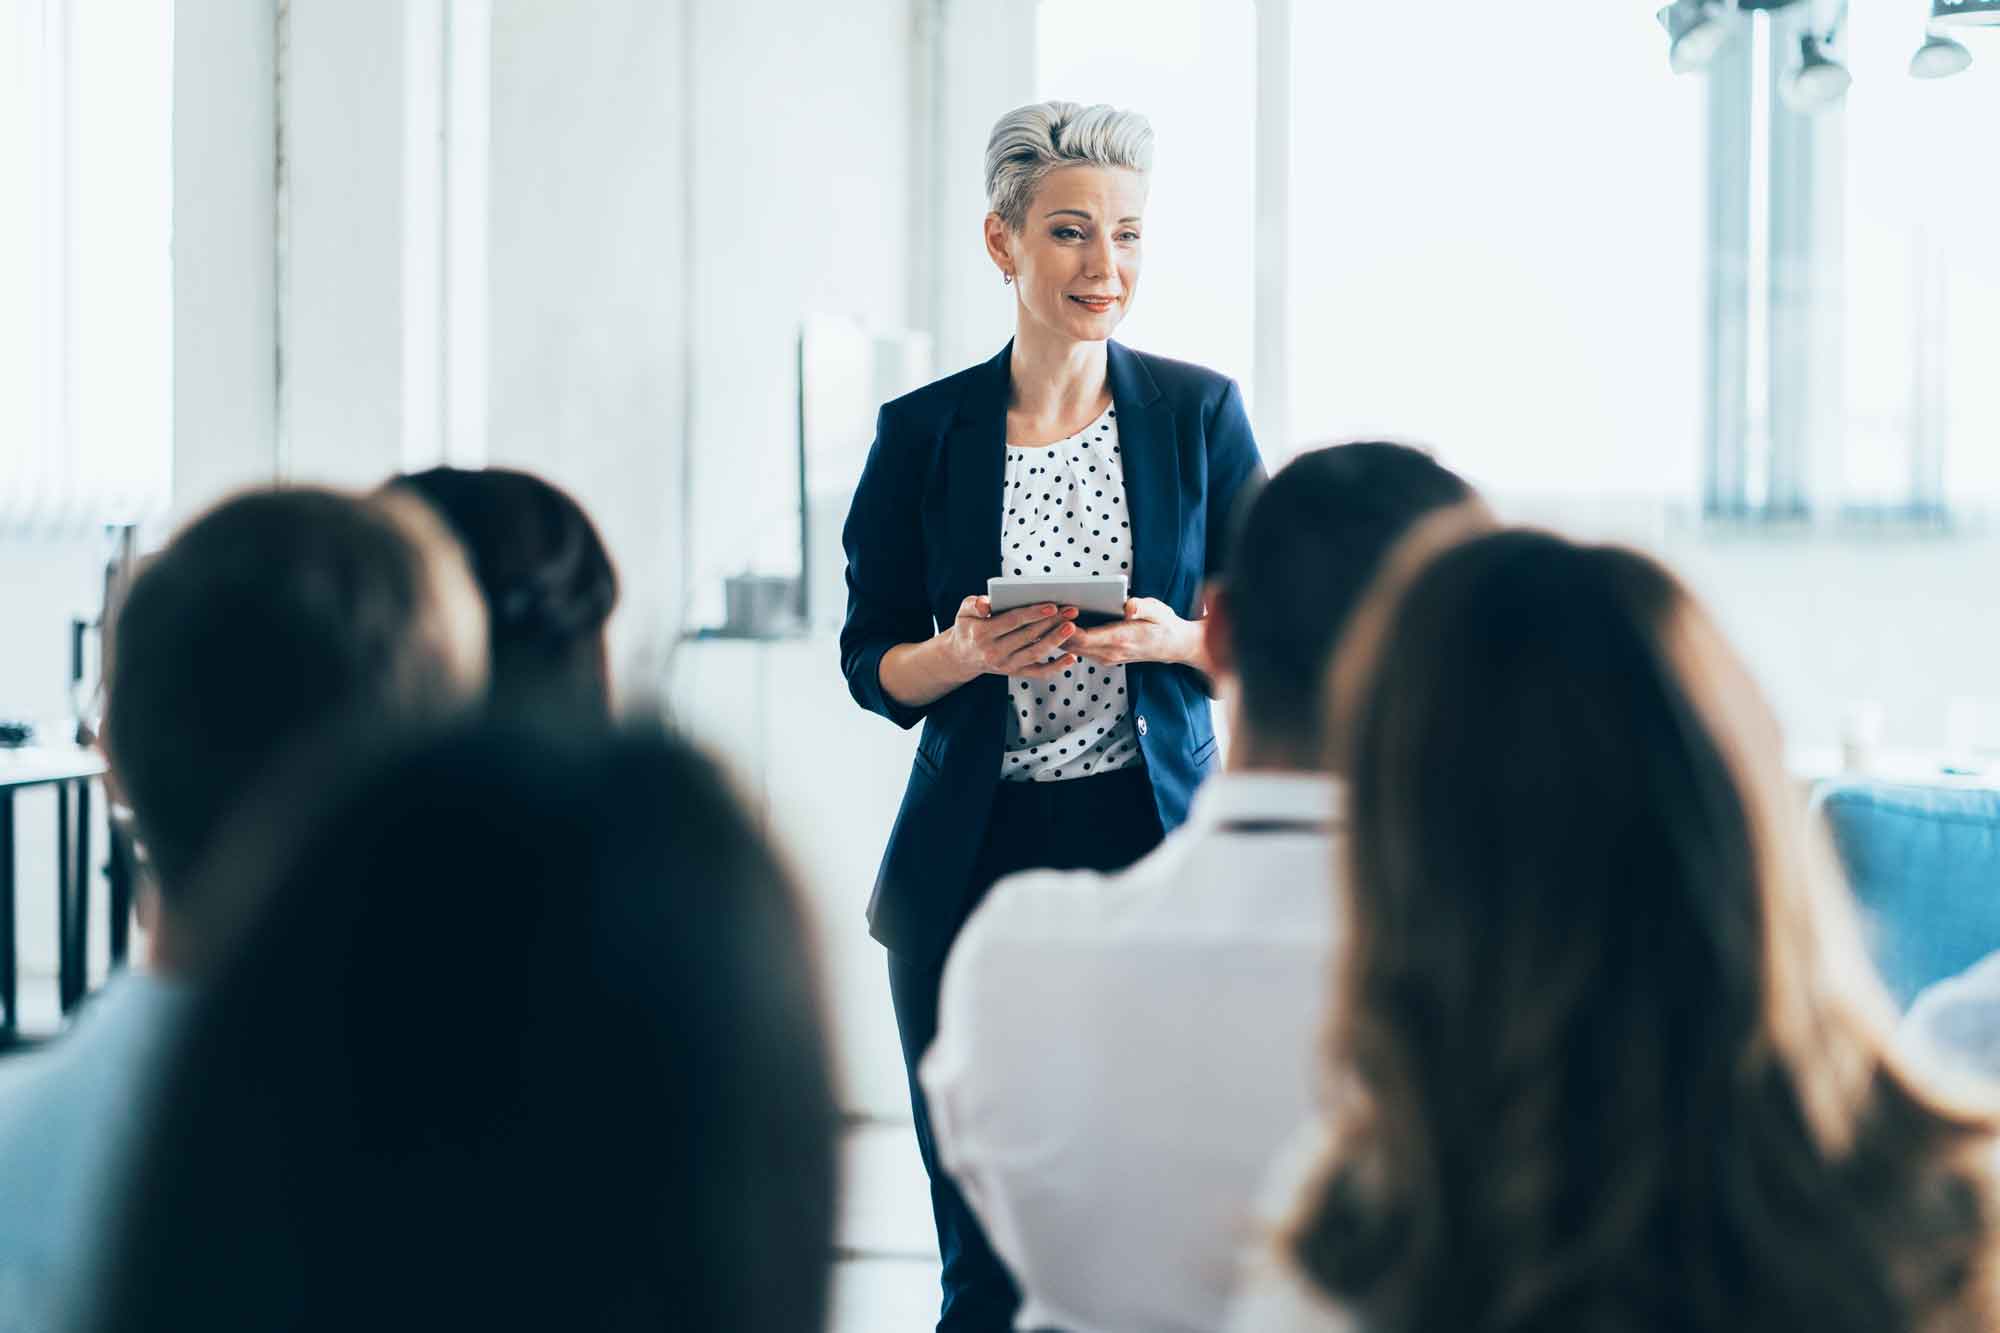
(1031, 141)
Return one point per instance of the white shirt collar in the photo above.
(1267, 796)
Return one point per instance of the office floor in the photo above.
(885, 1275)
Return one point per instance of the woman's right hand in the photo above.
(1014, 643)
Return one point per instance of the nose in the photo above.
(1100, 260)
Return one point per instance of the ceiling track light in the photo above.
(1819, 80)
(1696, 31)
(1938, 58)
(1965, 13)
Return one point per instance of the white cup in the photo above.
(1860, 735)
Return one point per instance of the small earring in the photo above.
(1007, 279)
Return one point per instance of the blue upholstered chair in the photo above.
(1925, 865)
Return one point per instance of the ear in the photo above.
(1000, 244)
(1218, 628)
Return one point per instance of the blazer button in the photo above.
(1142, 724)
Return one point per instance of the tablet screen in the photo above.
(1097, 597)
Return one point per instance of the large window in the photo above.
(1921, 274)
(1518, 237)
(1190, 65)
(1497, 242)
(85, 276)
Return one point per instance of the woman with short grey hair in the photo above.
(1049, 740)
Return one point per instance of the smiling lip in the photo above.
(1097, 303)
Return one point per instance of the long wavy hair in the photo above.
(1607, 1053)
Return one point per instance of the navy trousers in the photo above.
(1096, 823)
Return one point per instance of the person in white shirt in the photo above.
(1957, 1021)
(272, 619)
(1119, 1055)
(1606, 1050)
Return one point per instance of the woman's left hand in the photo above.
(1150, 632)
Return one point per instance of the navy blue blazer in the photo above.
(923, 534)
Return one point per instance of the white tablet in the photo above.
(1098, 598)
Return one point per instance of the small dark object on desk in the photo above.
(14, 735)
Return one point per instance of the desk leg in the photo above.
(118, 885)
(10, 1025)
(65, 889)
(76, 980)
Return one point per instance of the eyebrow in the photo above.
(1079, 213)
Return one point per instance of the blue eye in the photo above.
(1068, 234)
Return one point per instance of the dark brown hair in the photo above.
(526, 1033)
(549, 584)
(1606, 1052)
(1305, 547)
(266, 620)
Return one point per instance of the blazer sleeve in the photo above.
(1233, 464)
(884, 541)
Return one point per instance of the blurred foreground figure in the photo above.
(271, 620)
(1606, 1052)
(526, 1037)
(548, 582)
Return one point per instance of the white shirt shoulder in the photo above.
(1957, 1021)
(1274, 1296)
(1118, 1055)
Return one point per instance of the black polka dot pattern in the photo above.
(1076, 724)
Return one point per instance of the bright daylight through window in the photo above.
(85, 281)
(1497, 242)
(1190, 66)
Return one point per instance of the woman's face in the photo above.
(1075, 260)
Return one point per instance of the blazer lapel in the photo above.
(975, 464)
(1150, 452)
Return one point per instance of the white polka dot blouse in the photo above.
(1065, 514)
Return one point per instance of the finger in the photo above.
(1030, 620)
(1110, 649)
(1104, 638)
(1025, 639)
(1047, 670)
(1038, 649)
(969, 609)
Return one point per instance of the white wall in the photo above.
(1906, 622)
(985, 55)
(587, 298)
(344, 108)
(224, 239)
(802, 182)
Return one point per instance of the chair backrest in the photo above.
(1925, 865)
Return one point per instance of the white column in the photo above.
(345, 102)
(985, 68)
(588, 185)
(224, 248)
(468, 100)
(422, 277)
(1271, 365)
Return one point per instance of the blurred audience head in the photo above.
(1303, 551)
(526, 1034)
(1607, 1052)
(269, 621)
(548, 580)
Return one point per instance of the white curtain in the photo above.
(86, 369)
